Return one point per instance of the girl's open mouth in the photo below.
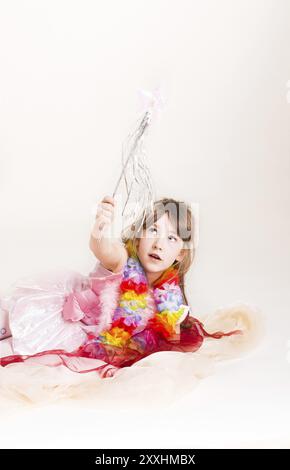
(155, 257)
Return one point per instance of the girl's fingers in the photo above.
(103, 218)
(107, 206)
(102, 210)
(104, 213)
(109, 199)
(106, 209)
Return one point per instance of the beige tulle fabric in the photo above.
(157, 380)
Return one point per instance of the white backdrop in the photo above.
(69, 75)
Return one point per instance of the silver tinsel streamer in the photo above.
(135, 174)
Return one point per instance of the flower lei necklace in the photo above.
(134, 313)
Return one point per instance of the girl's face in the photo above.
(160, 239)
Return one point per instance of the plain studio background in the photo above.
(69, 76)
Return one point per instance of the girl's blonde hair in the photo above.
(181, 217)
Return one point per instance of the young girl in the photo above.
(133, 304)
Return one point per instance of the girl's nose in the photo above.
(158, 243)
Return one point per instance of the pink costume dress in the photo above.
(56, 320)
(59, 312)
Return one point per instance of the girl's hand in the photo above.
(104, 216)
(109, 250)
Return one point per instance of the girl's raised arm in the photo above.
(108, 250)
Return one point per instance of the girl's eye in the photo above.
(170, 236)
